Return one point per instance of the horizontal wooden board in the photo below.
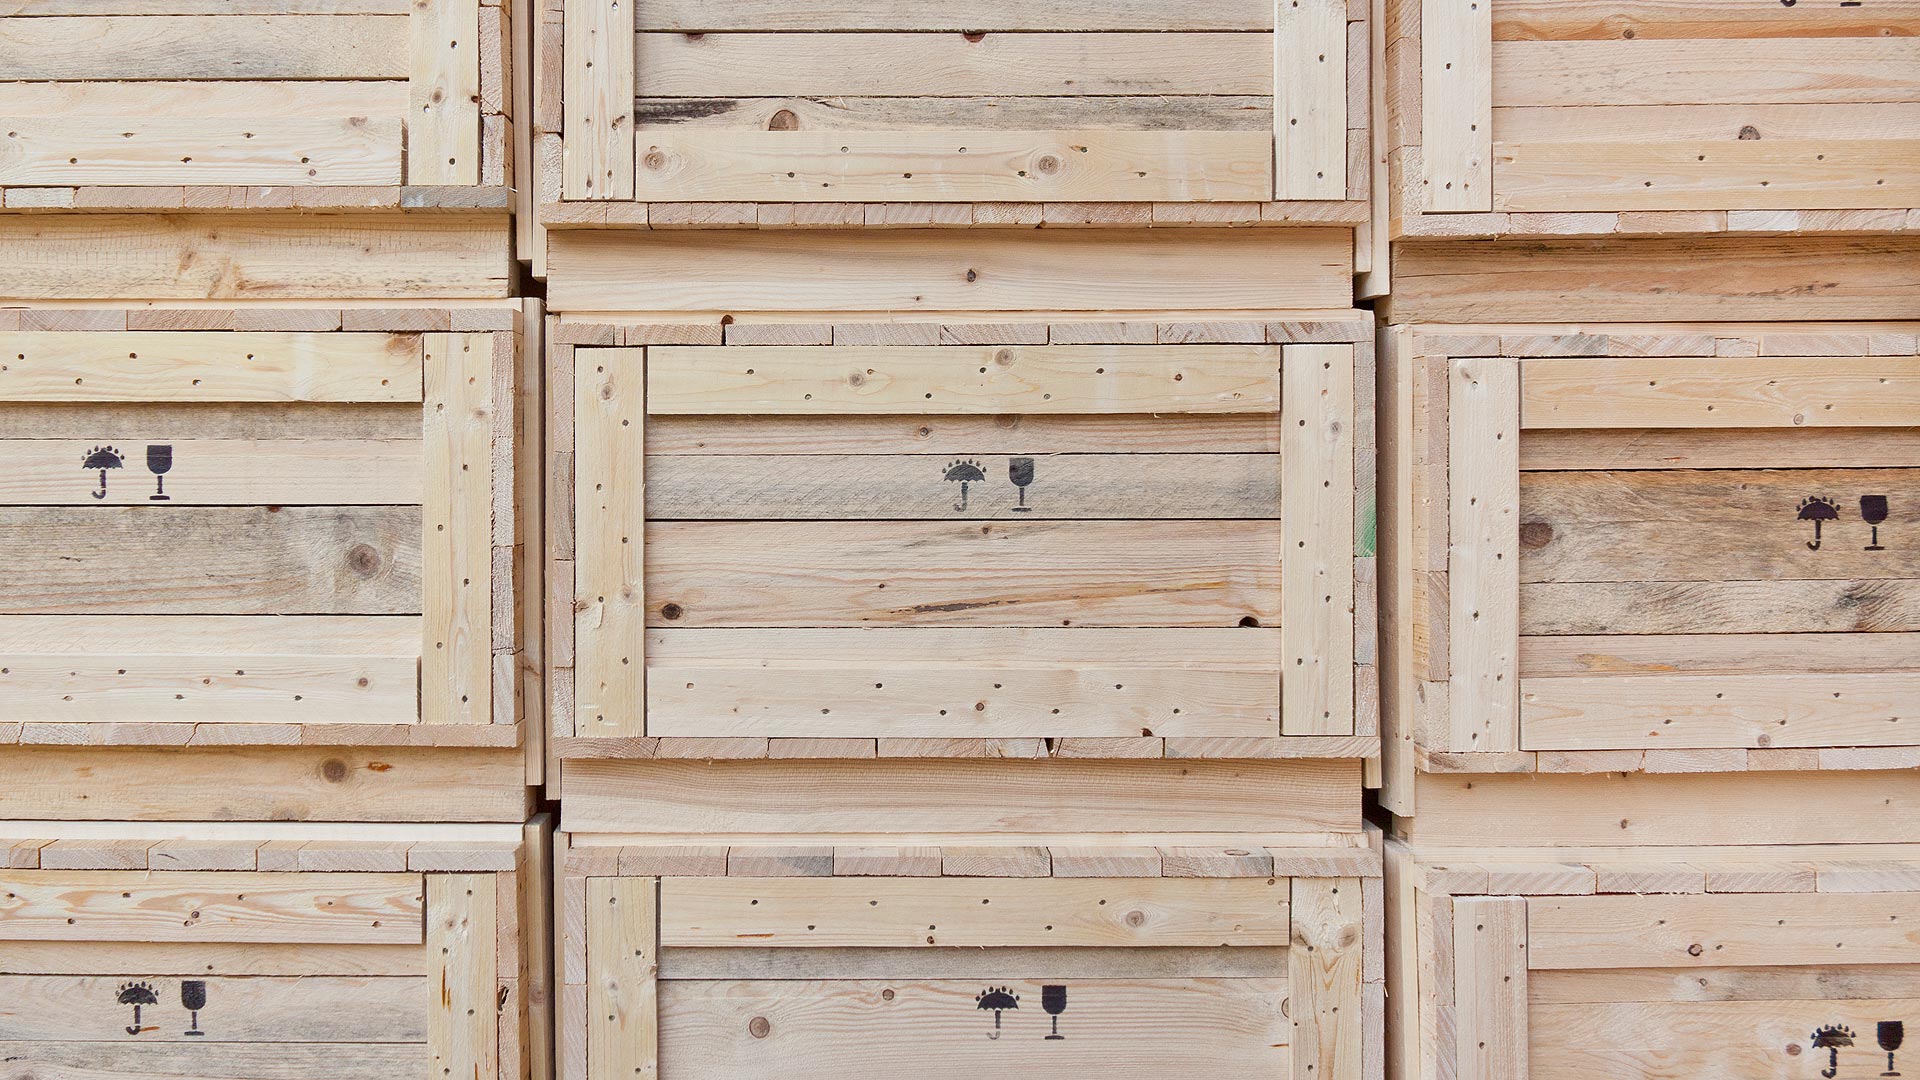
(1716, 525)
(1558, 177)
(976, 683)
(205, 960)
(1030, 434)
(158, 150)
(1083, 573)
(934, 796)
(962, 912)
(1710, 448)
(211, 560)
(1720, 607)
(979, 270)
(211, 472)
(1119, 112)
(309, 1009)
(102, 905)
(1693, 711)
(1730, 1039)
(978, 165)
(132, 686)
(993, 379)
(204, 47)
(1137, 1029)
(870, 487)
(1584, 20)
(947, 65)
(977, 16)
(1775, 392)
(1720, 125)
(217, 1061)
(158, 421)
(168, 635)
(1716, 654)
(1827, 982)
(1030, 962)
(1704, 931)
(248, 99)
(223, 366)
(1760, 71)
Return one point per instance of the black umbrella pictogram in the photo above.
(102, 458)
(1831, 1038)
(1817, 509)
(998, 999)
(964, 472)
(137, 994)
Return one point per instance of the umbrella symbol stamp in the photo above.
(1817, 509)
(100, 459)
(1831, 1038)
(963, 472)
(997, 999)
(137, 994)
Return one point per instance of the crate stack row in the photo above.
(961, 641)
(1650, 600)
(268, 478)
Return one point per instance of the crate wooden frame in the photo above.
(102, 902)
(364, 104)
(1456, 404)
(1450, 175)
(1479, 939)
(477, 694)
(622, 732)
(589, 155)
(615, 927)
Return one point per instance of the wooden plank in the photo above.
(1783, 71)
(205, 47)
(979, 165)
(1691, 711)
(974, 683)
(950, 65)
(103, 905)
(1560, 177)
(135, 687)
(443, 86)
(935, 380)
(161, 150)
(709, 487)
(211, 560)
(1711, 392)
(610, 587)
(1716, 654)
(880, 436)
(1547, 449)
(1616, 1041)
(957, 912)
(219, 1061)
(462, 1015)
(934, 796)
(1719, 125)
(216, 472)
(1208, 1029)
(1581, 20)
(278, 1009)
(1136, 573)
(981, 16)
(456, 659)
(178, 367)
(1037, 963)
(1457, 77)
(1491, 951)
(991, 270)
(212, 960)
(1323, 977)
(1484, 554)
(1118, 112)
(623, 1007)
(597, 94)
(1603, 932)
(1310, 99)
(280, 101)
(1316, 541)
(1846, 605)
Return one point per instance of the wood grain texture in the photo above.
(456, 657)
(62, 905)
(1728, 930)
(202, 47)
(121, 366)
(141, 150)
(1491, 955)
(217, 472)
(597, 80)
(1457, 88)
(443, 88)
(1310, 99)
(1316, 539)
(1693, 711)
(1714, 393)
(462, 969)
(610, 590)
(278, 1010)
(1483, 558)
(623, 957)
(1324, 976)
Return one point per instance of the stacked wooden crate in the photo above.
(262, 635)
(960, 625)
(1648, 402)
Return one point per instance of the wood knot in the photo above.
(784, 120)
(671, 612)
(333, 771)
(758, 1027)
(362, 559)
(1047, 164)
(1535, 534)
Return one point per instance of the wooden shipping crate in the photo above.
(749, 113)
(265, 563)
(820, 540)
(1545, 118)
(231, 104)
(1652, 549)
(1735, 962)
(291, 951)
(1196, 957)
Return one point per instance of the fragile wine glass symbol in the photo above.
(159, 460)
(193, 998)
(1891, 1033)
(1873, 508)
(1020, 471)
(1054, 1000)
